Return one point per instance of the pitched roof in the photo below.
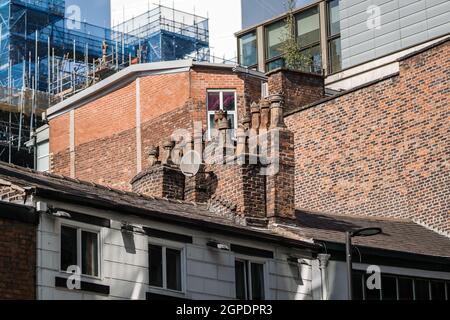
(188, 213)
(398, 235)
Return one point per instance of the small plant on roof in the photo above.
(294, 58)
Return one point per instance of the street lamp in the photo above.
(366, 232)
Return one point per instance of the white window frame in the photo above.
(248, 283)
(164, 244)
(209, 113)
(88, 228)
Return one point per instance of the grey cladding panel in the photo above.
(404, 23)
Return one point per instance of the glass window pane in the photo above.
(257, 281)
(232, 124)
(155, 266)
(405, 289)
(422, 289)
(389, 288)
(333, 13)
(248, 49)
(279, 63)
(229, 103)
(68, 247)
(231, 120)
(358, 286)
(437, 290)
(43, 164)
(275, 37)
(213, 101)
(43, 149)
(314, 60)
(239, 272)
(371, 294)
(173, 269)
(335, 55)
(89, 253)
(308, 27)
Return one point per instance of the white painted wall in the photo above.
(209, 272)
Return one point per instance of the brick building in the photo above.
(377, 150)
(136, 108)
(373, 156)
(18, 229)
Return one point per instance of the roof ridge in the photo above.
(95, 185)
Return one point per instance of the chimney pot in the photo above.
(265, 114)
(168, 146)
(153, 155)
(256, 113)
(276, 111)
(222, 120)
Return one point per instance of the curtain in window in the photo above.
(89, 259)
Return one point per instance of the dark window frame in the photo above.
(253, 66)
(331, 38)
(413, 279)
(268, 61)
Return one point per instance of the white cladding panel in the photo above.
(209, 273)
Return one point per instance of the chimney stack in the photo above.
(281, 176)
(162, 179)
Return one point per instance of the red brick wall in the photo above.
(109, 161)
(105, 129)
(17, 260)
(299, 88)
(382, 150)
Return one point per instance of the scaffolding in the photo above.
(46, 57)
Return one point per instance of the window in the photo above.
(308, 27)
(248, 50)
(275, 34)
(165, 268)
(335, 55)
(43, 156)
(308, 30)
(437, 290)
(335, 21)
(80, 248)
(249, 280)
(405, 289)
(314, 59)
(334, 37)
(222, 100)
(308, 35)
(400, 288)
(275, 64)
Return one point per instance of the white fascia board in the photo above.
(119, 79)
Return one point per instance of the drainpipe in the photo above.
(323, 264)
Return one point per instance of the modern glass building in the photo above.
(318, 33)
(339, 35)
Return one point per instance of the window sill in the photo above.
(154, 293)
(61, 282)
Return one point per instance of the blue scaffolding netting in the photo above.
(46, 57)
(41, 49)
